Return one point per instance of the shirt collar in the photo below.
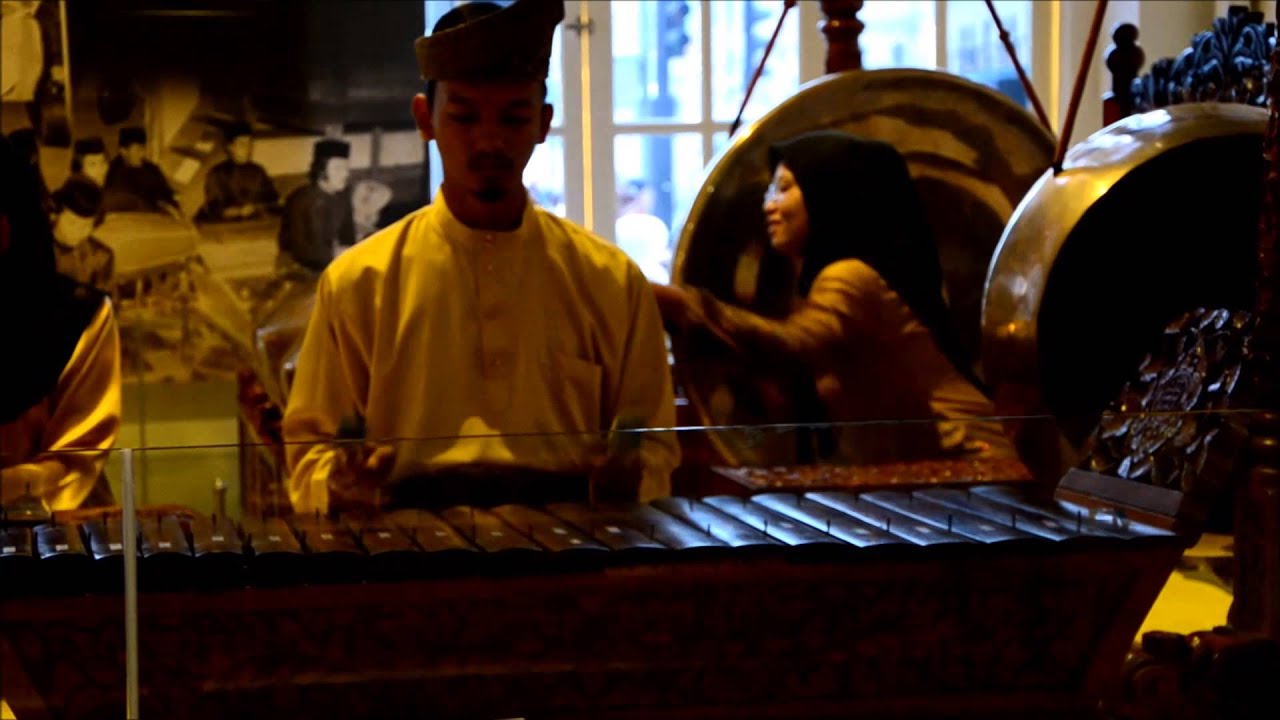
(456, 232)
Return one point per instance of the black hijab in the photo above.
(863, 204)
(42, 313)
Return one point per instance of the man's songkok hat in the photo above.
(132, 135)
(492, 43)
(330, 148)
(92, 145)
(237, 129)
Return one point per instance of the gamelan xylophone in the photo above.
(943, 601)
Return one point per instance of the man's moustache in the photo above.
(490, 163)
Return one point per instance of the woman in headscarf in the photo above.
(60, 366)
(869, 321)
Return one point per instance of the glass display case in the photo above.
(508, 591)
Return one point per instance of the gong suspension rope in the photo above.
(737, 121)
(1017, 66)
(1077, 91)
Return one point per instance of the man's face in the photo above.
(134, 154)
(71, 229)
(336, 173)
(95, 167)
(240, 150)
(486, 133)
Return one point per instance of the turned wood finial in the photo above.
(842, 28)
(1124, 59)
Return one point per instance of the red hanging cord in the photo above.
(1078, 91)
(737, 121)
(1017, 66)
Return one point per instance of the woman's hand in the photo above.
(677, 307)
(685, 309)
(671, 299)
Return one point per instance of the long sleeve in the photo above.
(264, 190)
(159, 191)
(82, 423)
(837, 310)
(346, 229)
(311, 228)
(299, 231)
(217, 192)
(331, 383)
(643, 394)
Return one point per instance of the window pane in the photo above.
(719, 141)
(555, 79)
(899, 33)
(657, 179)
(544, 176)
(739, 33)
(657, 61)
(974, 49)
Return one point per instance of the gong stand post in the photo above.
(1027, 87)
(842, 28)
(1077, 91)
(1256, 603)
(755, 77)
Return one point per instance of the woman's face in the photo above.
(785, 214)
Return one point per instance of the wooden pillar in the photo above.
(842, 28)
(1256, 606)
(1124, 60)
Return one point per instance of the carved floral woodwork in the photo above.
(1228, 63)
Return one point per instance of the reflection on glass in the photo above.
(739, 33)
(899, 33)
(974, 49)
(544, 175)
(657, 61)
(657, 178)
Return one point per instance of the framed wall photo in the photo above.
(34, 72)
(204, 160)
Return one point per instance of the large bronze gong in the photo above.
(1152, 216)
(974, 154)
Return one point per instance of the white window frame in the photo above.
(589, 130)
(596, 206)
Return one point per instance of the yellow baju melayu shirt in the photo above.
(462, 346)
(60, 445)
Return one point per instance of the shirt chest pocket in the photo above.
(574, 389)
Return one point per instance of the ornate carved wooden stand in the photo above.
(1226, 672)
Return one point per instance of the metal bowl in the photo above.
(1152, 216)
(974, 154)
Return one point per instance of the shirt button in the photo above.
(489, 267)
